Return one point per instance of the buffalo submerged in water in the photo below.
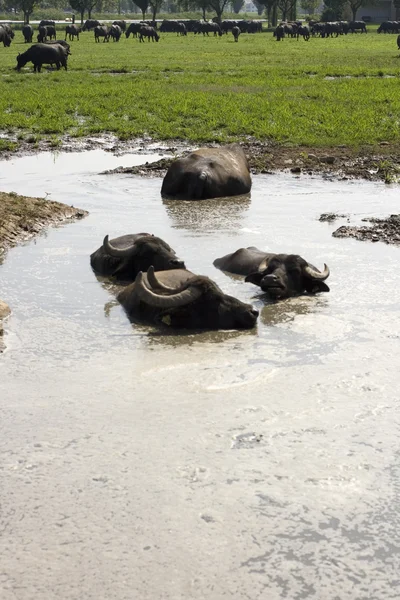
(123, 257)
(280, 275)
(181, 299)
(208, 173)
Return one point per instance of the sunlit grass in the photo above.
(326, 92)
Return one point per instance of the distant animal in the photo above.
(27, 32)
(62, 43)
(8, 30)
(149, 32)
(236, 33)
(279, 33)
(133, 29)
(206, 27)
(303, 31)
(90, 24)
(46, 31)
(40, 54)
(72, 31)
(115, 32)
(355, 26)
(124, 256)
(280, 275)
(181, 29)
(4, 37)
(398, 42)
(208, 173)
(45, 22)
(182, 299)
(389, 27)
(121, 24)
(101, 31)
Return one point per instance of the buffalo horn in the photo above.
(171, 301)
(118, 252)
(154, 283)
(316, 274)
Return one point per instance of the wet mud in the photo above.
(385, 230)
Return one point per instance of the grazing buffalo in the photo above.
(27, 32)
(133, 29)
(304, 31)
(149, 32)
(46, 31)
(115, 32)
(45, 22)
(398, 42)
(208, 173)
(62, 43)
(279, 33)
(281, 275)
(72, 31)
(121, 24)
(389, 27)
(90, 24)
(40, 54)
(182, 299)
(205, 27)
(236, 33)
(8, 30)
(125, 256)
(181, 28)
(355, 26)
(4, 37)
(101, 31)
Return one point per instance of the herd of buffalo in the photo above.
(57, 55)
(157, 286)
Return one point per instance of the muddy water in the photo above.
(137, 465)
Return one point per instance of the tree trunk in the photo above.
(274, 16)
(219, 15)
(82, 15)
(89, 13)
(269, 15)
(143, 15)
(26, 17)
(204, 13)
(292, 14)
(154, 14)
(354, 11)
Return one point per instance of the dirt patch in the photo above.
(337, 163)
(22, 217)
(330, 217)
(382, 230)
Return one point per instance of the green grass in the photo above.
(326, 92)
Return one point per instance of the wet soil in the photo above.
(22, 217)
(382, 230)
(373, 163)
(4, 312)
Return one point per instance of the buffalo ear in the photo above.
(313, 286)
(254, 278)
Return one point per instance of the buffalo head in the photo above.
(193, 302)
(285, 275)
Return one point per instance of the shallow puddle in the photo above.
(138, 464)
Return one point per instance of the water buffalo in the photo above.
(121, 24)
(45, 22)
(62, 43)
(46, 31)
(279, 33)
(133, 29)
(90, 24)
(27, 32)
(280, 275)
(115, 32)
(72, 31)
(206, 27)
(354, 26)
(398, 42)
(236, 33)
(389, 27)
(181, 28)
(208, 173)
(101, 31)
(182, 299)
(304, 31)
(149, 32)
(8, 30)
(125, 256)
(4, 37)
(40, 54)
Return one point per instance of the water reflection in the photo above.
(207, 215)
(282, 311)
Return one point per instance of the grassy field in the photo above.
(326, 92)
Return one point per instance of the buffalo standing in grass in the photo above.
(115, 32)
(43, 54)
(46, 31)
(182, 299)
(133, 29)
(279, 33)
(398, 42)
(72, 31)
(4, 37)
(45, 22)
(205, 28)
(121, 24)
(303, 31)
(27, 32)
(149, 32)
(208, 173)
(90, 24)
(236, 33)
(280, 275)
(101, 31)
(124, 256)
(355, 26)
(8, 30)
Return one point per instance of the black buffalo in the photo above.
(125, 256)
(46, 31)
(149, 32)
(4, 37)
(121, 24)
(101, 31)
(205, 28)
(8, 30)
(279, 33)
(304, 31)
(27, 32)
(90, 24)
(182, 299)
(389, 27)
(236, 33)
(280, 275)
(208, 173)
(355, 26)
(133, 29)
(62, 43)
(115, 32)
(72, 31)
(40, 54)
(45, 22)
(398, 42)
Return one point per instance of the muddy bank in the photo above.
(4, 312)
(22, 217)
(373, 163)
(342, 163)
(382, 230)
